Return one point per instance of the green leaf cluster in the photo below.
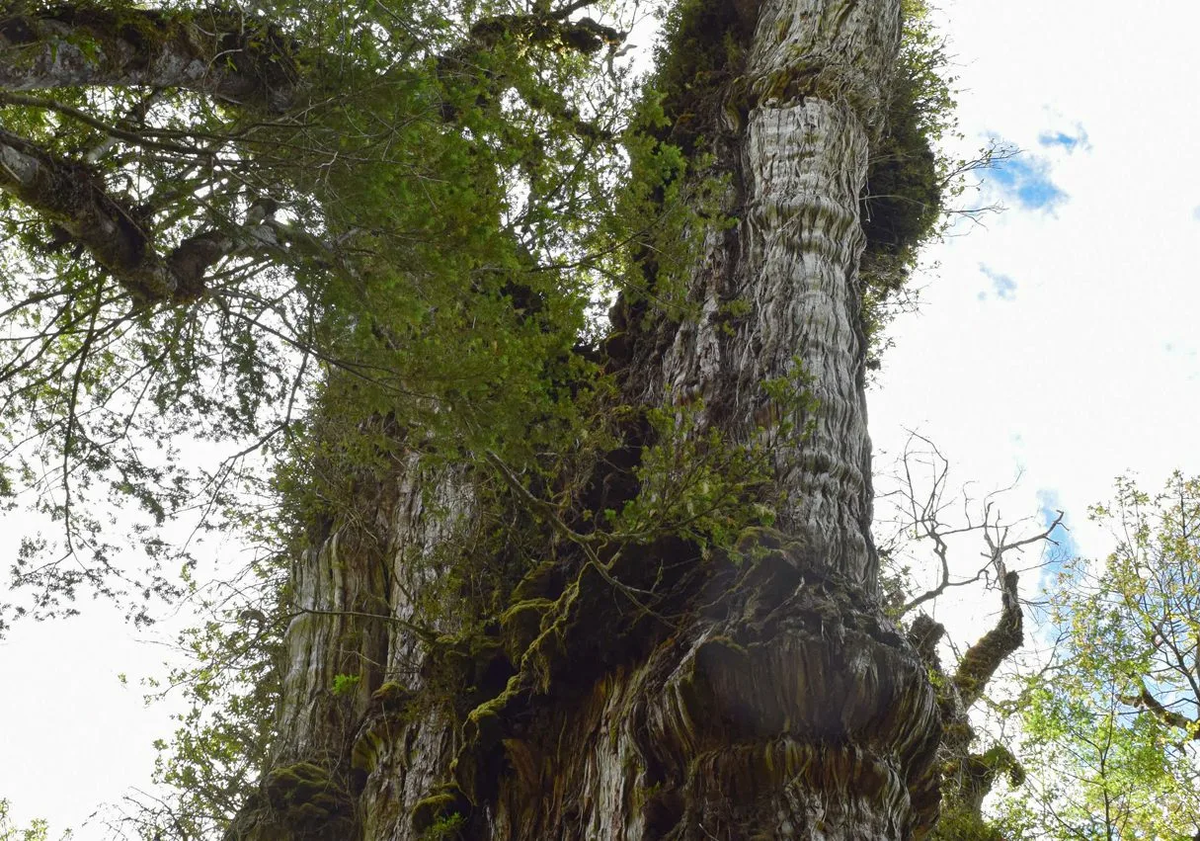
(910, 180)
(436, 200)
(1110, 727)
(37, 830)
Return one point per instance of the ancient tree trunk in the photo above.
(653, 692)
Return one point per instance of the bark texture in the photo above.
(764, 697)
(220, 53)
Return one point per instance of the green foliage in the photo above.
(674, 194)
(703, 50)
(432, 261)
(692, 483)
(345, 684)
(1110, 730)
(231, 684)
(696, 484)
(445, 827)
(666, 206)
(964, 825)
(38, 829)
(436, 198)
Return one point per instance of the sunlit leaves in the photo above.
(1111, 726)
(37, 830)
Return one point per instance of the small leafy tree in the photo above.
(1113, 723)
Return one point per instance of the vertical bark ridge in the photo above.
(336, 596)
(362, 599)
(807, 161)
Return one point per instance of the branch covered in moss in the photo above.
(219, 52)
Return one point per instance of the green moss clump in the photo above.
(390, 709)
(759, 539)
(521, 624)
(469, 658)
(485, 727)
(439, 807)
(540, 582)
(908, 181)
(902, 202)
(308, 803)
(391, 698)
(704, 50)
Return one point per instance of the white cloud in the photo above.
(1023, 179)
(1003, 286)
(1071, 140)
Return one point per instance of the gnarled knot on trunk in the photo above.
(777, 676)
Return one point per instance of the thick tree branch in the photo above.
(113, 132)
(981, 660)
(71, 196)
(1146, 701)
(216, 52)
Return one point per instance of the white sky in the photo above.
(1085, 367)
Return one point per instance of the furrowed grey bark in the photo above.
(818, 75)
(776, 701)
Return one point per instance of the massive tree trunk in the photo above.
(657, 691)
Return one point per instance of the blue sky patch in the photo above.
(1067, 548)
(1025, 179)
(1003, 286)
(1054, 557)
(1070, 142)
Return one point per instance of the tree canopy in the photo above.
(209, 214)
